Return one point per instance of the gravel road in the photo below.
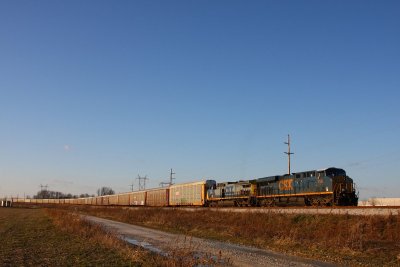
(236, 255)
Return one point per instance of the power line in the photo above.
(162, 184)
(142, 182)
(131, 186)
(43, 186)
(288, 152)
(171, 178)
(43, 193)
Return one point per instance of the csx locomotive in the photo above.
(327, 187)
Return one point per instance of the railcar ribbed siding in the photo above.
(190, 194)
(157, 197)
(138, 198)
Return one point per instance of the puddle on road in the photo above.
(194, 255)
(144, 245)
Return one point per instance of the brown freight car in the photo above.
(138, 198)
(157, 197)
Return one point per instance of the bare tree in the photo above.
(105, 191)
(48, 194)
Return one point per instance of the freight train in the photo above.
(327, 187)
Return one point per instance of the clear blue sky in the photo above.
(94, 93)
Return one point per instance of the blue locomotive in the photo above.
(327, 187)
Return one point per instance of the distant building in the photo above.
(378, 201)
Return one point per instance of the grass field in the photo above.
(33, 237)
(349, 240)
(58, 237)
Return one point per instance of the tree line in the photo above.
(48, 194)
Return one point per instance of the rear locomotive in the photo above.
(238, 194)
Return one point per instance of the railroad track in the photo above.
(360, 211)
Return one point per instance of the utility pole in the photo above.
(43, 186)
(288, 152)
(171, 178)
(131, 186)
(142, 182)
(41, 189)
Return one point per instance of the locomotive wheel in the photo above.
(269, 202)
(328, 201)
(315, 201)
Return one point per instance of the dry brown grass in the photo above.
(353, 240)
(54, 237)
(182, 256)
(72, 224)
(29, 238)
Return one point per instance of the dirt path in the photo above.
(163, 243)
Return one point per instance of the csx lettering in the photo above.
(286, 184)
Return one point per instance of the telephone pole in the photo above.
(142, 182)
(43, 186)
(171, 178)
(43, 192)
(131, 186)
(288, 152)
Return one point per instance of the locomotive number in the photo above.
(286, 184)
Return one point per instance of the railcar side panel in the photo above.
(137, 198)
(113, 200)
(157, 197)
(190, 194)
(123, 199)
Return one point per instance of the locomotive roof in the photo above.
(268, 178)
(277, 177)
(330, 168)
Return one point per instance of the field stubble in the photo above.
(345, 239)
(55, 237)
(31, 237)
